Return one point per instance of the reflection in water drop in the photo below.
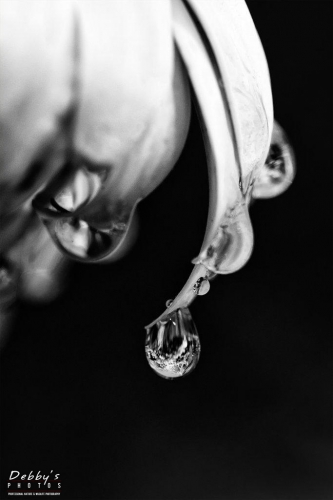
(278, 172)
(173, 346)
(201, 286)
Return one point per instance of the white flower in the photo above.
(95, 109)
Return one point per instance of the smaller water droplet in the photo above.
(168, 303)
(173, 346)
(278, 172)
(201, 286)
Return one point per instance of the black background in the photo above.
(253, 421)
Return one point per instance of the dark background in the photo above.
(253, 421)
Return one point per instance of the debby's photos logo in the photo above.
(32, 484)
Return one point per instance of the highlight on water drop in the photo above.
(173, 345)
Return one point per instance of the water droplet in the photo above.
(201, 286)
(278, 172)
(168, 303)
(173, 346)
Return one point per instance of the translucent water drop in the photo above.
(201, 286)
(278, 172)
(173, 346)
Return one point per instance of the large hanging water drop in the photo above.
(173, 346)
